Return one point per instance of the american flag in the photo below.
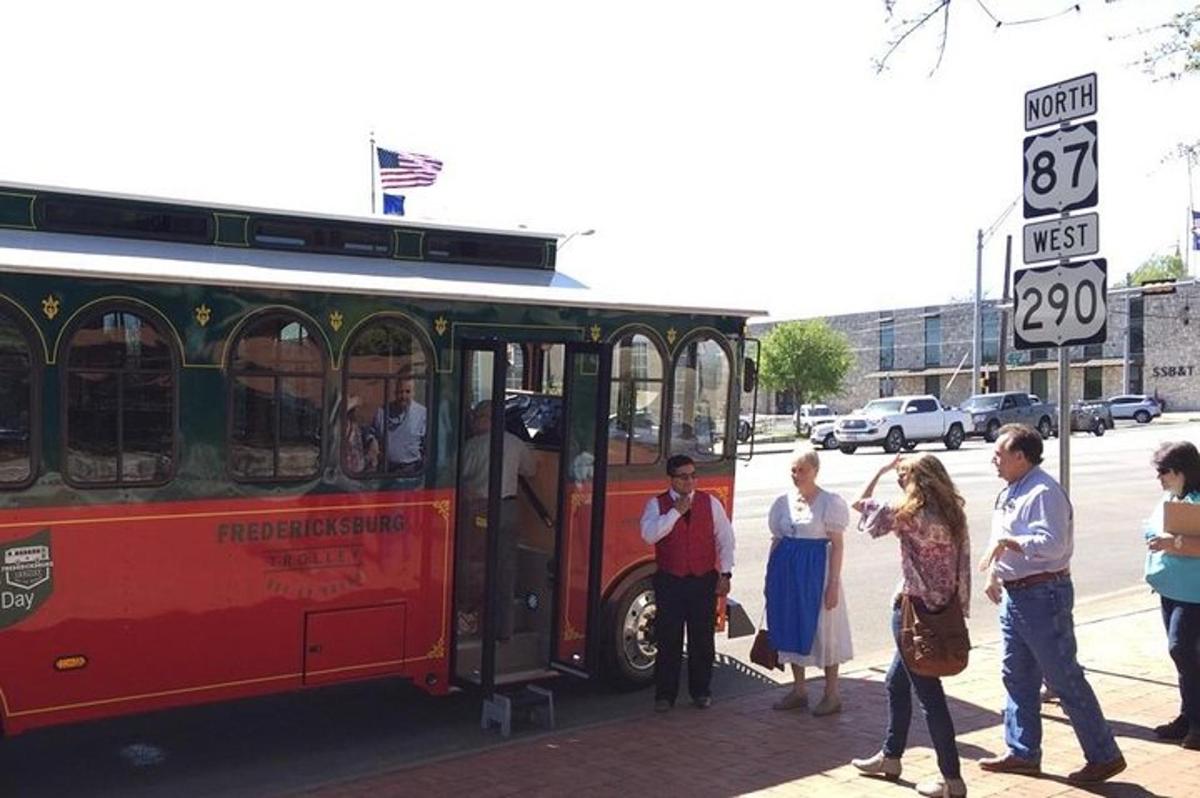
(406, 169)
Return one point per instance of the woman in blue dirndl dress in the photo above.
(806, 606)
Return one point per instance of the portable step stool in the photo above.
(538, 702)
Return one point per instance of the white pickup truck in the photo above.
(901, 422)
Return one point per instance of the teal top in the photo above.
(1171, 575)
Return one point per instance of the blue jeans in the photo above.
(1182, 620)
(1038, 630)
(900, 686)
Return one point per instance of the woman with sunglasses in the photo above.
(935, 561)
(806, 607)
(1173, 570)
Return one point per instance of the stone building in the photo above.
(1153, 347)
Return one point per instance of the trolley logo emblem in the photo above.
(27, 571)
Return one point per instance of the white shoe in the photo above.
(878, 765)
(941, 787)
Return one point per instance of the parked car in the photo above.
(823, 434)
(1139, 407)
(810, 414)
(990, 411)
(901, 422)
(1091, 416)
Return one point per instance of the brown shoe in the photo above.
(1096, 772)
(791, 701)
(1011, 763)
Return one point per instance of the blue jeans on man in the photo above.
(901, 684)
(1037, 626)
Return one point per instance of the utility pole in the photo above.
(976, 349)
(1002, 367)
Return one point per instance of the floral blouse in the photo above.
(933, 566)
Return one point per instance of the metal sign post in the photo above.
(1066, 304)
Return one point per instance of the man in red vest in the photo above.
(693, 546)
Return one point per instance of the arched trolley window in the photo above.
(700, 399)
(17, 409)
(121, 401)
(277, 398)
(635, 401)
(384, 426)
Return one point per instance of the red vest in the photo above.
(690, 549)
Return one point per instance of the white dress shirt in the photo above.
(656, 526)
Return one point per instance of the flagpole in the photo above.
(371, 158)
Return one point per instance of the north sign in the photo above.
(1062, 305)
(1060, 102)
(1062, 170)
(1062, 239)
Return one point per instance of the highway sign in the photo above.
(1063, 305)
(1062, 170)
(1062, 239)
(1059, 102)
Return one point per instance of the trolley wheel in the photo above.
(630, 648)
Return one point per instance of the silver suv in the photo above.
(1139, 407)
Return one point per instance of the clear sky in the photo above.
(729, 153)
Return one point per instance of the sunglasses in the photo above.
(684, 475)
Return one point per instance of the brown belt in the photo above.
(1036, 579)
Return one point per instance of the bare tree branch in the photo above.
(906, 28)
(945, 32)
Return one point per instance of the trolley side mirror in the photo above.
(749, 375)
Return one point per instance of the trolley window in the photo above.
(121, 405)
(277, 400)
(16, 405)
(387, 396)
(635, 401)
(700, 399)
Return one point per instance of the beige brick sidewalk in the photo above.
(741, 746)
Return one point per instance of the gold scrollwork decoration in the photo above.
(203, 314)
(442, 506)
(570, 633)
(50, 306)
(671, 336)
(440, 324)
(594, 331)
(336, 320)
(580, 499)
(439, 649)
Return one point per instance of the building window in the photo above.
(635, 401)
(887, 387)
(1135, 378)
(933, 385)
(277, 393)
(121, 402)
(1039, 383)
(1039, 355)
(16, 405)
(1093, 382)
(1137, 328)
(991, 335)
(1093, 351)
(933, 341)
(700, 400)
(387, 396)
(514, 377)
(887, 344)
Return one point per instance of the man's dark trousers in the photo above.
(690, 601)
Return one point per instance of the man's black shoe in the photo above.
(703, 702)
(662, 705)
(1175, 731)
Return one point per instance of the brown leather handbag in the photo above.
(763, 653)
(934, 643)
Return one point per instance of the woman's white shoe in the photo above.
(942, 788)
(878, 765)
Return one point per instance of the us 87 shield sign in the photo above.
(1062, 305)
(1062, 170)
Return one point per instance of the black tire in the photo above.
(992, 432)
(894, 441)
(910, 445)
(1142, 417)
(847, 448)
(830, 441)
(629, 646)
(954, 437)
(1044, 427)
(744, 431)
(1098, 428)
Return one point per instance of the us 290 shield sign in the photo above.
(1062, 305)
(1062, 170)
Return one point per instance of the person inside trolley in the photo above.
(400, 426)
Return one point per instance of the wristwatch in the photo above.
(1178, 542)
(729, 574)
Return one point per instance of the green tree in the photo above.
(1159, 267)
(808, 358)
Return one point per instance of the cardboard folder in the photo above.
(1181, 518)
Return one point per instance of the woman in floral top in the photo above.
(935, 561)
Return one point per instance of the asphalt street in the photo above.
(1113, 488)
